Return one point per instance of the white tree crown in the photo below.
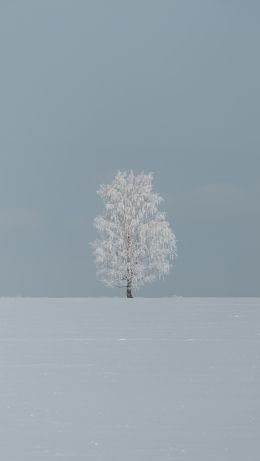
(136, 243)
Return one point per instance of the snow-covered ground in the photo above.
(130, 380)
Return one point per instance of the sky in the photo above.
(89, 87)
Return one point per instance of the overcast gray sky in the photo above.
(92, 86)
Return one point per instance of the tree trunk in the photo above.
(129, 275)
(129, 291)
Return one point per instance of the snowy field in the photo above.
(130, 380)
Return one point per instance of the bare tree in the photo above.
(136, 243)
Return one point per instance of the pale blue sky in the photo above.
(90, 87)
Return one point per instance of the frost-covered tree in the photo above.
(136, 242)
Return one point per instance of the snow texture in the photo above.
(136, 243)
(132, 380)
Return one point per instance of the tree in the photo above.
(136, 243)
